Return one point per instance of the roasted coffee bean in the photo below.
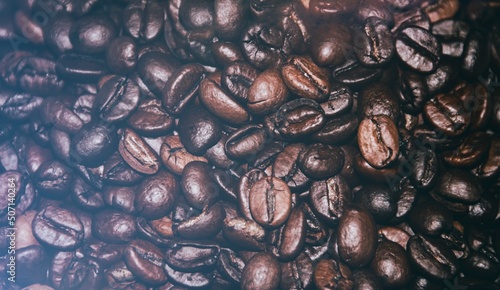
(116, 100)
(297, 274)
(340, 99)
(452, 35)
(175, 156)
(92, 34)
(418, 49)
(197, 185)
(374, 45)
(237, 79)
(491, 166)
(261, 45)
(205, 225)
(80, 68)
(330, 198)
(391, 264)
(261, 272)
(55, 112)
(58, 228)
(305, 79)
(93, 143)
(379, 200)
(378, 141)
(447, 113)
(266, 93)
(432, 257)
(56, 33)
(473, 149)
(379, 99)
(113, 226)
(151, 119)
(244, 233)
(53, 179)
(189, 279)
(352, 73)
(121, 55)
(18, 107)
(154, 69)
(337, 130)
(145, 260)
(425, 168)
(143, 20)
(117, 172)
(221, 104)
(321, 161)
(459, 186)
(194, 120)
(186, 255)
(299, 118)
(288, 241)
(330, 273)
(137, 153)
(246, 142)
(357, 236)
(33, 74)
(330, 48)
(270, 202)
(71, 270)
(476, 54)
(156, 195)
(413, 92)
(181, 87)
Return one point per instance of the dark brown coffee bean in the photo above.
(156, 195)
(472, 150)
(175, 156)
(374, 44)
(357, 237)
(246, 142)
(340, 99)
(194, 120)
(378, 141)
(432, 257)
(304, 78)
(379, 99)
(145, 260)
(244, 233)
(391, 264)
(330, 48)
(330, 198)
(270, 202)
(221, 104)
(237, 79)
(267, 93)
(260, 272)
(297, 274)
(58, 228)
(459, 186)
(446, 112)
(137, 153)
(205, 225)
(181, 87)
(113, 226)
(299, 118)
(321, 161)
(150, 119)
(418, 49)
(332, 274)
(197, 185)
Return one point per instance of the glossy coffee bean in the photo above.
(357, 237)
(418, 49)
(58, 228)
(205, 225)
(175, 156)
(374, 45)
(113, 226)
(194, 120)
(93, 143)
(305, 79)
(80, 67)
(237, 79)
(378, 140)
(340, 99)
(379, 200)
(432, 257)
(121, 55)
(181, 87)
(185, 255)
(197, 185)
(137, 153)
(151, 119)
(320, 161)
(330, 198)
(299, 118)
(379, 99)
(92, 34)
(452, 35)
(156, 195)
(267, 92)
(425, 168)
(260, 272)
(145, 261)
(143, 21)
(439, 108)
(116, 100)
(221, 104)
(270, 202)
(391, 264)
(330, 273)
(330, 48)
(53, 179)
(459, 186)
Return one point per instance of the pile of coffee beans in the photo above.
(249, 144)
